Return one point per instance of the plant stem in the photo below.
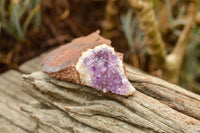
(169, 64)
(173, 61)
(109, 23)
(149, 26)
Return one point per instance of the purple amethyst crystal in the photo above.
(102, 69)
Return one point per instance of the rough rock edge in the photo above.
(69, 73)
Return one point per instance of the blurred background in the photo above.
(31, 27)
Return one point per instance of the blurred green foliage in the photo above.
(170, 16)
(131, 29)
(191, 68)
(17, 15)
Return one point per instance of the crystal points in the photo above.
(102, 69)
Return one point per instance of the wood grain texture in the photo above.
(8, 127)
(157, 106)
(12, 119)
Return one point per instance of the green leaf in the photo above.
(30, 17)
(3, 18)
(24, 7)
(15, 20)
(126, 21)
(37, 20)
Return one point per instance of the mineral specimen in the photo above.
(89, 61)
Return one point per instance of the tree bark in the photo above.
(157, 106)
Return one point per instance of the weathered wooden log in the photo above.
(157, 106)
(12, 119)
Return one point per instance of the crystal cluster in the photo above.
(102, 69)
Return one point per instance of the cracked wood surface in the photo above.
(157, 106)
(12, 119)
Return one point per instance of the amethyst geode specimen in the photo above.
(89, 61)
(102, 69)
